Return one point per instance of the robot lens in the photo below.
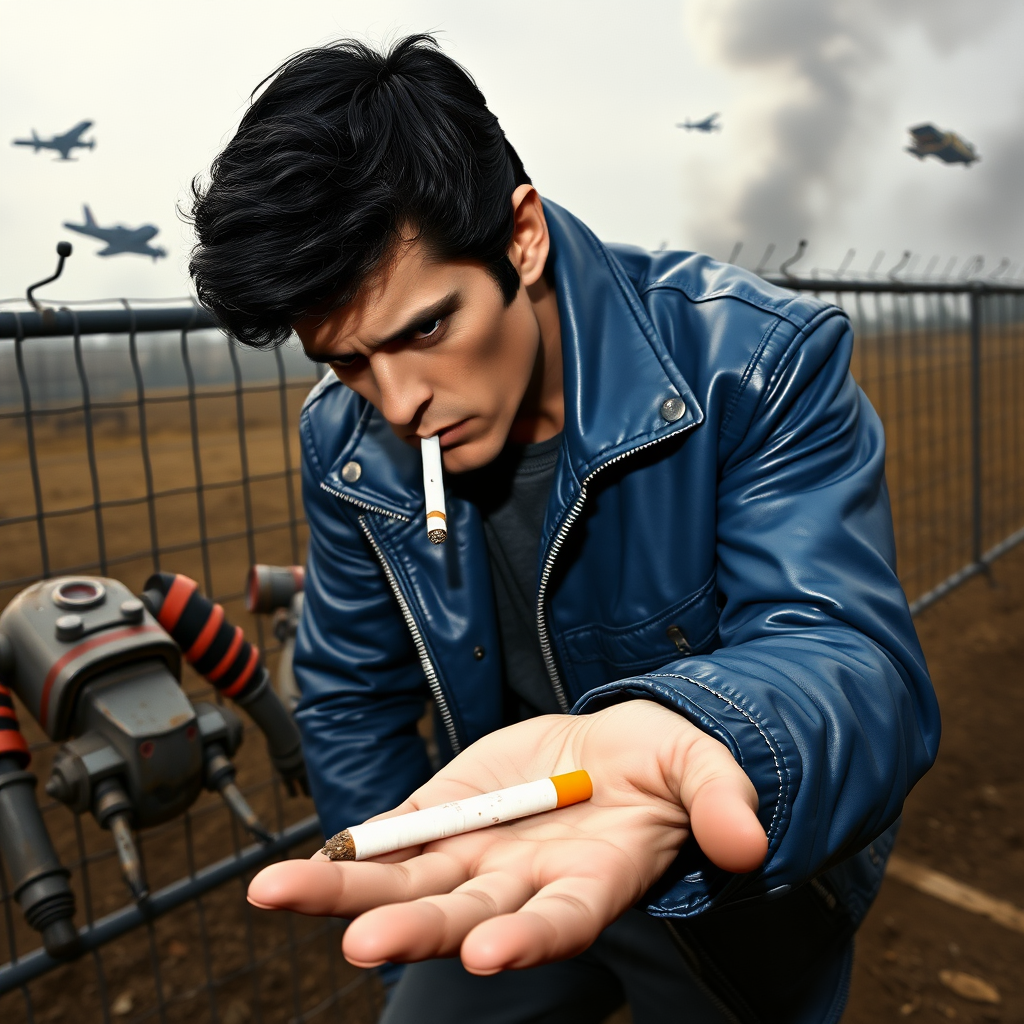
(78, 593)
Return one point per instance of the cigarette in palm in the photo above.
(386, 835)
(437, 522)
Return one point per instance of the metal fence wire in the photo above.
(138, 439)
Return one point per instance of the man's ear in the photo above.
(530, 239)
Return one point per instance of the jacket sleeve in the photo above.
(820, 688)
(362, 686)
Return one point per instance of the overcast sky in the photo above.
(815, 96)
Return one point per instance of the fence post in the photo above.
(976, 453)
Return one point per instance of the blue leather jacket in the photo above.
(718, 539)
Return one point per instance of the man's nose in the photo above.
(402, 395)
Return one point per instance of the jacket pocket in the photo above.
(595, 654)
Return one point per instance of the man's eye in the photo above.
(426, 329)
(345, 361)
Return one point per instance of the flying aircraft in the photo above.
(119, 238)
(63, 144)
(947, 146)
(709, 124)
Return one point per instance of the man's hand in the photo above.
(542, 888)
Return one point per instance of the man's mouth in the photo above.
(451, 435)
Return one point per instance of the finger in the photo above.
(321, 888)
(562, 920)
(434, 926)
(725, 826)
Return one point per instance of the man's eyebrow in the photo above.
(443, 307)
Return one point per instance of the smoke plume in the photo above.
(812, 68)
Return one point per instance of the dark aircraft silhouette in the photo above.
(946, 146)
(119, 238)
(63, 144)
(709, 124)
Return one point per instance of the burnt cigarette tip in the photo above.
(437, 536)
(340, 847)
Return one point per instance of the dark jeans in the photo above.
(635, 960)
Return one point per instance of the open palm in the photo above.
(540, 888)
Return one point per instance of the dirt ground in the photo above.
(225, 962)
(965, 818)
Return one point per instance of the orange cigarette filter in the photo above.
(385, 835)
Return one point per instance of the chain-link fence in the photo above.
(943, 363)
(132, 441)
(137, 439)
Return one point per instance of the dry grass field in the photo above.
(920, 384)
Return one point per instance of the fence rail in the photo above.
(943, 363)
(137, 439)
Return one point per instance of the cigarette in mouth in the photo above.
(437, 522)
(386, 835)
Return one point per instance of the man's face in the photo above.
(433, 346)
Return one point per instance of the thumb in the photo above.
(722, 805)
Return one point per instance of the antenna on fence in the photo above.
(847, 260)
(875, 262)
(765, 258)
(949, 269)
(63, 252)
(904, 260)
(928, 270)
(734, 255)
(972, 267)
(1004, 265)
(801, 246)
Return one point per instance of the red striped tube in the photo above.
(12, 742)
(217, 650)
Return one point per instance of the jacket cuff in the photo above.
(693, 884)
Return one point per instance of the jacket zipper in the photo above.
(417, 638)
(363, 504)
(549, 561)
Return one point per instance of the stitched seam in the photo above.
(306, 431)
(328, 380)
(653, 661)
(784, 311)
(367, 496)
(752, 365)
(637, 308)
(797, 338)
(684, 605)
(753, 721)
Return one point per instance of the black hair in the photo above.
(344, 150)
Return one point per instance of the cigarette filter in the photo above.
(437, 522)
(360, 842)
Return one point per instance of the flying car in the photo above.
(63, 144)
(120, 239)
(709, 124)
(946, 146)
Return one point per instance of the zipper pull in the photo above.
(678, 637)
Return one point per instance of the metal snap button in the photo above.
(351, 472)
(673, 409)
(478, 653)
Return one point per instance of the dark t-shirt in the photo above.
(512, 496)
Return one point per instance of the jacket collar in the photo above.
(617, 377)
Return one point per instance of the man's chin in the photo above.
(471, 454)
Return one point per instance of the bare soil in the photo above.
(224, 961)
(965, 818)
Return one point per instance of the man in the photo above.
(669, 562)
